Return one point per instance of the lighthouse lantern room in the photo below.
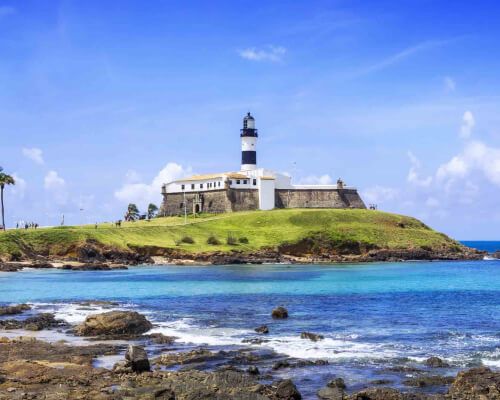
(248, 144)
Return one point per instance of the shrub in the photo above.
(213, 240)
(231, 240)
(244, 240)
(187, 239)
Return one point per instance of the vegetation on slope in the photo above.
(259, 230)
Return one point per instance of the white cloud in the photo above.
(56, 186)
(449, 84)
(414, 175)
(317, 180)
(380, 194)
(132, 176)
(270, 53)
(143, 193)
(468, 123)
(20, 187)
(33, 154)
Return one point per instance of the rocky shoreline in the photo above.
(96, 257)
(35, 369)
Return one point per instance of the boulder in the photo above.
(430, 380)
(334, 390)
(262, 329)
(137, 358)
(253, 370)
(280, 313)
(281, 364)
(477, 383)
(114, 323)
(160, 338)
(377, 394)
(13, 310)
(311, 336)
(436, 362)
(35, 323)
(286, 390)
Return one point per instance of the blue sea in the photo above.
(376, 318)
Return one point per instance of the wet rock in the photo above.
(431, 380)
(377, 394)
(93, 267)
(254, 340)
(281, 364)
(253, 370)
(381, 382)
(436, 362)
(35, 323)
(309, 363)
(286, 390)
(477, 383)
(13, 310)
(137, 358)
(114, 323)
(11, 267)
(334, 390)
(160, 338)
(311, 336)
(193, 356)
(280, 313)
(262, 329)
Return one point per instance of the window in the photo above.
(219, 183)
(245, 182)
(192, 186)
(181, 206)
(255, 182)
(238, 182)
(182, 187)
(201, 185)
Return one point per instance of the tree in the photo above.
(132, 212)
(152, 210)
(4, 181)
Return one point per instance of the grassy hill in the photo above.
(252, 231)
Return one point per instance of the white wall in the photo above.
(266, 194)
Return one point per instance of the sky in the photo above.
(102, 102)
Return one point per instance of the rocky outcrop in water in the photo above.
(15, 309)
(114, 324)
(314, 337)
(280, 313)
(436, 362)
(35, 323)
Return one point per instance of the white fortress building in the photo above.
(251, 188)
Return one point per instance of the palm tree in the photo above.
(152, 210)
(4, 181)
(132, 212)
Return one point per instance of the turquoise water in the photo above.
(373, 316)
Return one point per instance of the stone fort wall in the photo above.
(228, 200)
(318, 198)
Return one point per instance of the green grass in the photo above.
(263, 229)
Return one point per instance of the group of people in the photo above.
(26, 225)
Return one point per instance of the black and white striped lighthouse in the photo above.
(248, 144)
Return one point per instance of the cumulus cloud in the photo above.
(468, 123)
(270, 53)
(317, 180)
(414, 172)
(449, 84)
(56, 187)
(19, 188)
(380, 194)
(144, 193)
(34, 154)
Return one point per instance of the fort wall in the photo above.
(318, 198)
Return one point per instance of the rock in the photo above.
(381, 382)
(496, 254)
(190, 357)
(334, 390)
(122, 367)
(114, 323)
(436, 362)
(311, 336)
(3, 379)
(281, 364)
(377, 394)
(477, 383)
(286, 390)
(138, 358)
(254, 341)
(35, 323)
(262, 329)
(13, 310)
(253, 370)
(280, 313)
(431, 380)
(160, 338)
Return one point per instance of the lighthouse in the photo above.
(248, 144)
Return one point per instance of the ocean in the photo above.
(377, 319)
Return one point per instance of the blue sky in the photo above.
(102, 101)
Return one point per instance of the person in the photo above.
(96, 225)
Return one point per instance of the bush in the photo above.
(231, 240)
(213, 240)
(244, 240)
(187, 239)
